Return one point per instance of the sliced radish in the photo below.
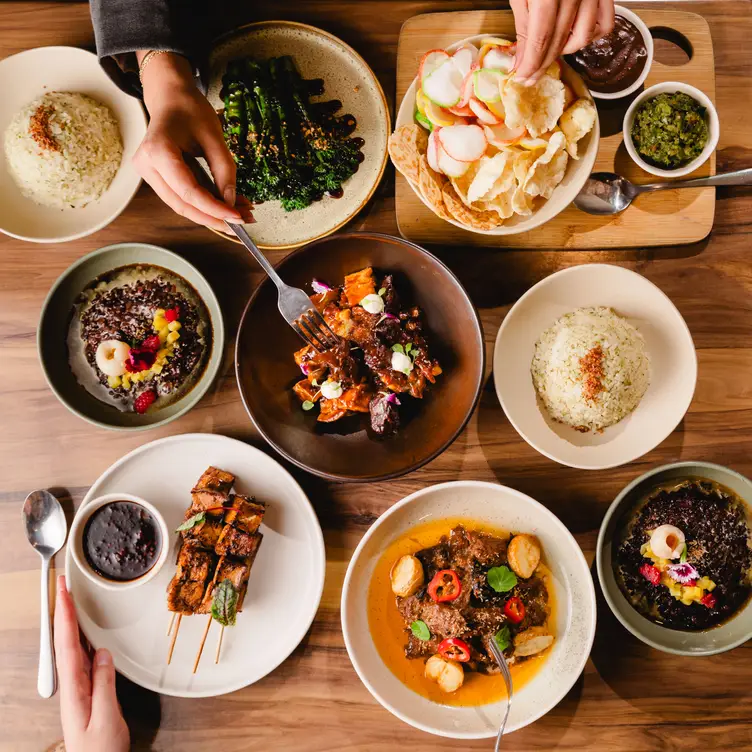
(502, 60)
(502, 135)
(496, 42)
(465, 57)
(451, 167)
(466, 90)
(442, 117)
(487, 84)
(463, 112)
(465, 143)
(497, 108)
(443, 86)
(420, 101)
(432, 155)
(484, 115)
(430, 62)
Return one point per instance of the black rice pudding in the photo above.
(683, 558)
(139, 338)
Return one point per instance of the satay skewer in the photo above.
(219, 644)
(203, 642)
(174, 638)
(172, 621)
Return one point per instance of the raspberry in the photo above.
(172, 314)
(651, 574)
(708, 600)
(151, 343)
(144, 401)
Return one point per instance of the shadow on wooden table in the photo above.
(142, 711)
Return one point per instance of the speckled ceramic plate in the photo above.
(348, 78)
(575, 614)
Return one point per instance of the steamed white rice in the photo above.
(75, 161)
(591, 368)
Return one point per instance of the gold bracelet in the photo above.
(147, 59)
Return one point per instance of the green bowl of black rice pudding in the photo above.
(674, 558)
(130, 337)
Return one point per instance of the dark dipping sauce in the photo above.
(715, 524)
(614, 62)
(122, 541)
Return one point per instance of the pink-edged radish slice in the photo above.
(443, 86)
(451, 167)
(496, 42)
(465, 143)
(484, 115)
(497, 109)
(430, 62)
(569, 96)
(502, 135)
(432, 155)
(467, 88)
(463, 112)
(487, 84)
(500, 59)
(465, 57)
(441, 116)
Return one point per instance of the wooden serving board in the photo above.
(665, 218)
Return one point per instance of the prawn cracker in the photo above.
(473, 218)
(431, 185)
(406, 145)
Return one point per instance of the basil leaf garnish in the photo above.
(420, 629)
(307, 405)
(382, 292)
(191, 522)
(501, 579)
(398, 348)
(225, 603)
(503, 638)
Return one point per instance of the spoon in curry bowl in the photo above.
(46, 529)
(608, 193)
(499, 656)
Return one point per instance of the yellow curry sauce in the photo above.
(388, 628)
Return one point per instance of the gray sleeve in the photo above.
(123, 26)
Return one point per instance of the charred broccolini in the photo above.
(286, 146)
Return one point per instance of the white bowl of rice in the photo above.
(594, 366)
(68, 135)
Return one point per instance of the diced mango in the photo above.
(173, 337)
(157, 368)
(126, 381)
(160, 322)
(163, 332)
(114, 381)
(173, 326)
(159, 312)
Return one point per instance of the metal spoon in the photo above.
(46, 530)
(499, 656)
(609, 193)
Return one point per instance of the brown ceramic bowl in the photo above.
(345, 450)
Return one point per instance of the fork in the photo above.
(293, 303)
(499, 656)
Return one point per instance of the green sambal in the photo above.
(670, 130)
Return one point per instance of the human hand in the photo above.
(89, 710)
(183, 122)
(549, 28)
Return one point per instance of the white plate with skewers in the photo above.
(284, 589)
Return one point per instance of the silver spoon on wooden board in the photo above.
(46, 529)
(609, 193)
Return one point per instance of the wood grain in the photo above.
(661, 219)
(629, 697)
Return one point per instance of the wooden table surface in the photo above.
(629, 696)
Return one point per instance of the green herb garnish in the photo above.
(683, 557)
(420, 630)
(398, 348)
(503, 638)
(382, 292)
(307, 405)
(501, 579)
(225, 604)
(408, 347)
(191, 522)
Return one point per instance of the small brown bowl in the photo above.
(346, 450)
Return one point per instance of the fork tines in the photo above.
(314, 330)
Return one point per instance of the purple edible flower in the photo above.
(392, 398)
(320, 287)
(304, 368)
(683, 573)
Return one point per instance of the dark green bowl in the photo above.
(53, 330)
(728, 635)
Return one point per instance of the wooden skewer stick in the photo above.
(219, 644)
(172, 621)
(174, 638)
(201, 646)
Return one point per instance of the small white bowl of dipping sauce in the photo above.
(119, 541)
(711, 115)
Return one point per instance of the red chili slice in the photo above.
(445, 586)
(455, 649)
(709, 600)
(514, 610)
